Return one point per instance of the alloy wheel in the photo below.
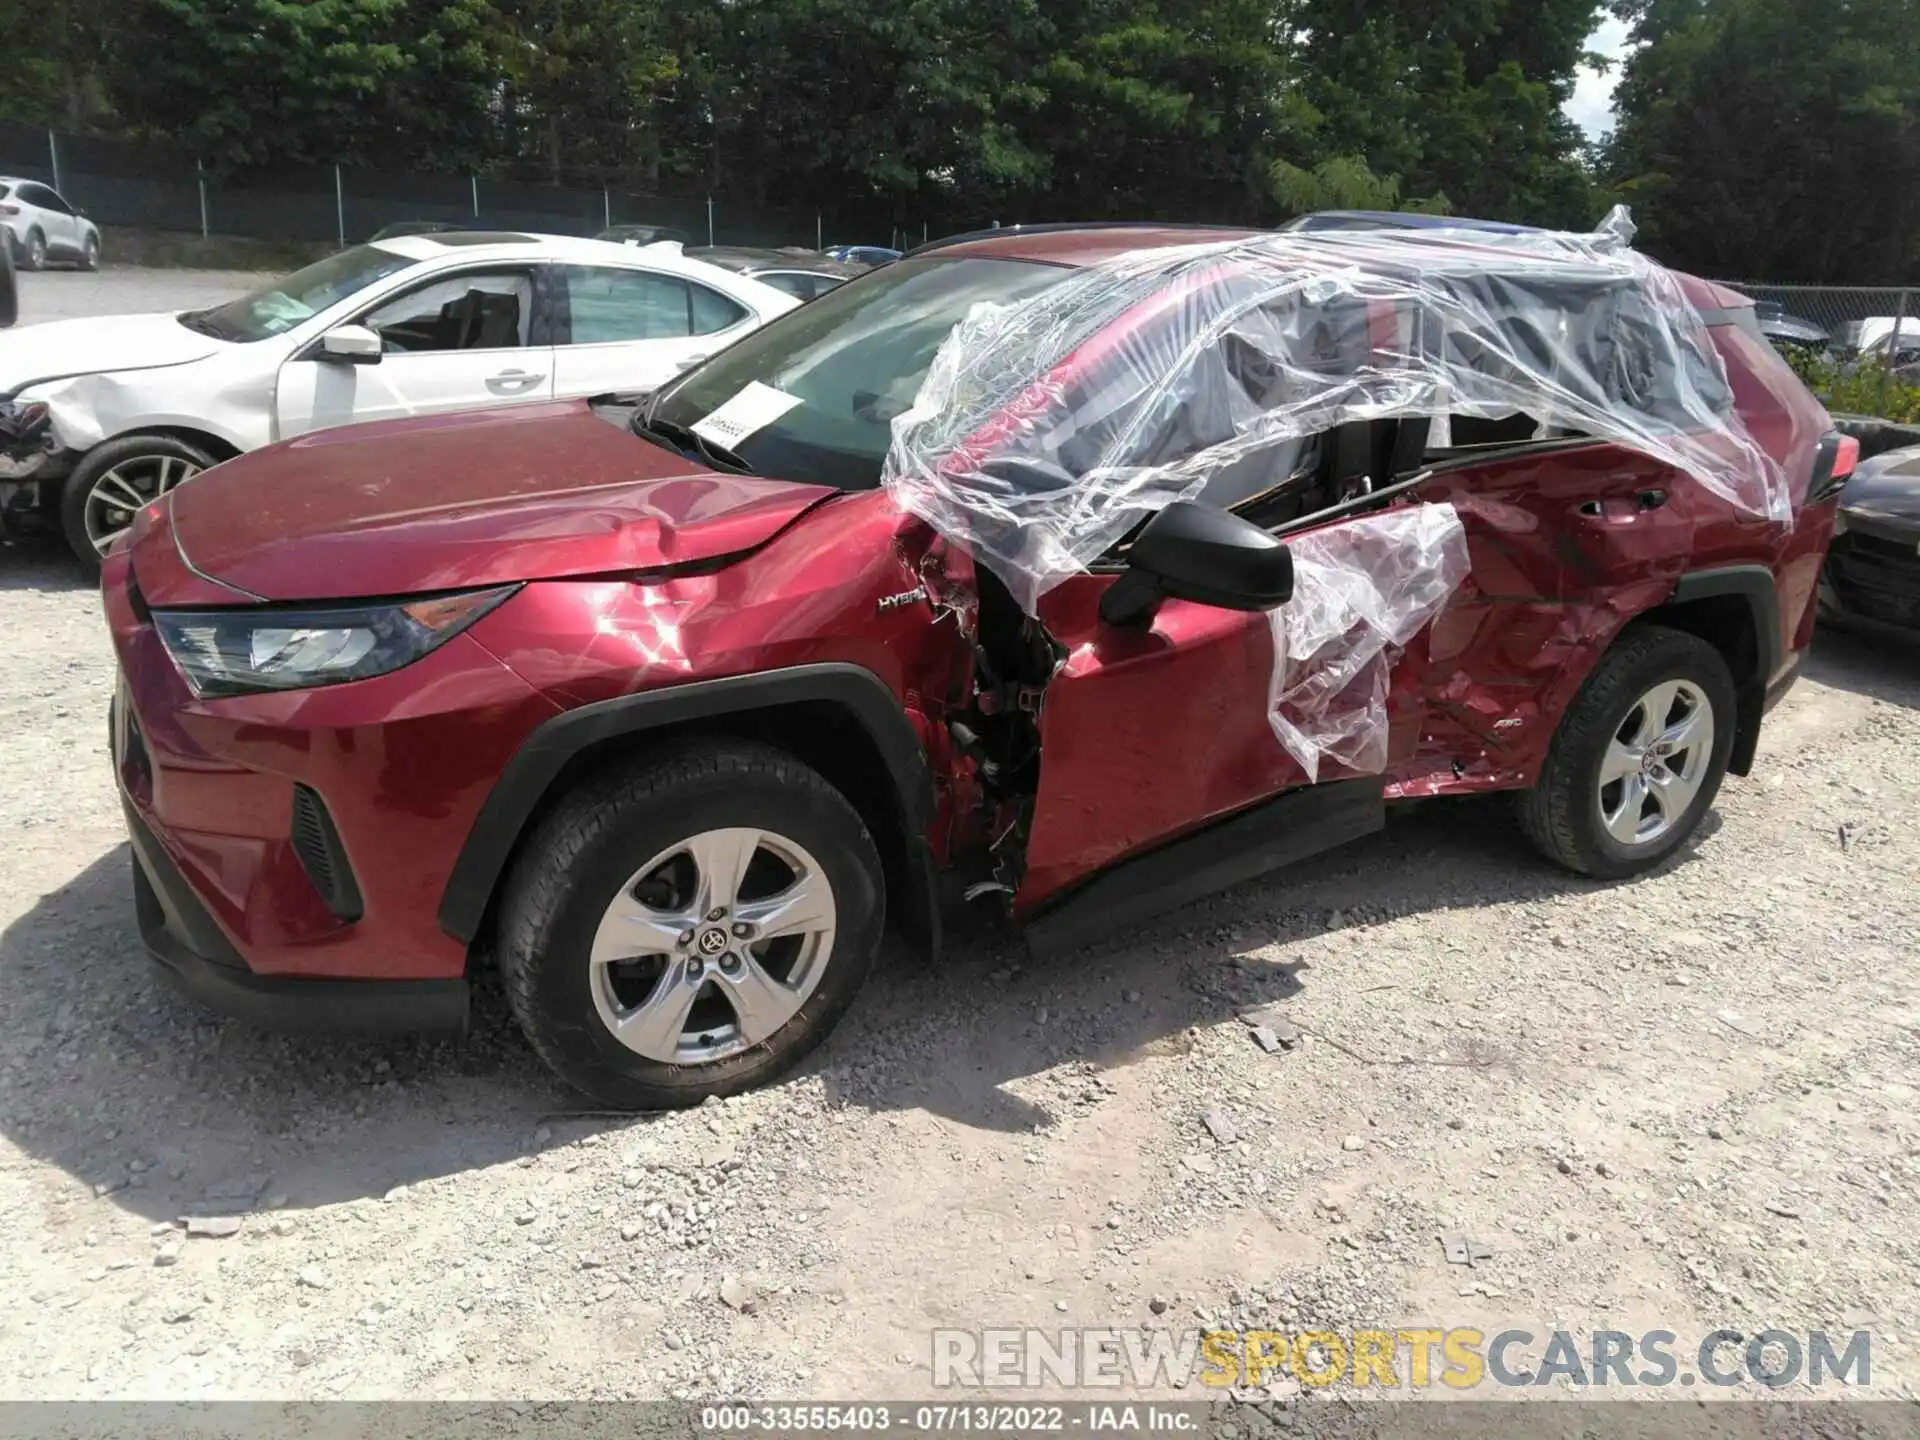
(122, 489)
(712, 946)
(1656, 762)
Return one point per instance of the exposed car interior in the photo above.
(468, 312)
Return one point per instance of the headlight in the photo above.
(242, 652)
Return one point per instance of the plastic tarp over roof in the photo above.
(1046, 429)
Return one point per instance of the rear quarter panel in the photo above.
(1565, 555)
(1789, 423)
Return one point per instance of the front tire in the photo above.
(90, 253)
(113, 480)
(690, 924)
(1638, 757)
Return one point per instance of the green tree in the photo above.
(256, 82)
(952, 111)
(1167, 110)
(580, 81)
(55, 57)
(442, 110)
(391, 83)
(1345, 182)
(1460, 101)
(1774, 139)
(790, 101)
(971, 110)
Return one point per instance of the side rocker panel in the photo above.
(1267, 836)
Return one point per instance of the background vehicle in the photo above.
(417, 227)
(1872, 574)
(410, 326)
(40, 226)
(643, 234)
(1784, 329)
(674, 718)
(1871, 338)
(803, 274)
(862, 254)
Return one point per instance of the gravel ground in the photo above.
(1681, 1103)
(68, 294)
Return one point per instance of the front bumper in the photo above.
(31, 466)
(190, 949)
(1872, 574)
(289, 848)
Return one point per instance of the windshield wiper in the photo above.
(201, 322)
(683, 439)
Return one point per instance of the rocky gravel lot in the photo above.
(125, 290)
(1682, 1103)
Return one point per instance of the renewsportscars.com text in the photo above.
(1416, 1357)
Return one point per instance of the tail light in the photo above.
(1846, 457)
(1835, 460)
(9, 209)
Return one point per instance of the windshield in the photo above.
(843, 366)
(297, 297)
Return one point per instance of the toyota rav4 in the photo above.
(1078, 571)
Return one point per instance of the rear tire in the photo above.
(33, 255)
(1608, 802)
(626, 854)
(113, 479)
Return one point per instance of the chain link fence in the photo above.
(159, 187)
(1868, 321)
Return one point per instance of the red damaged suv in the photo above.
(672, 711)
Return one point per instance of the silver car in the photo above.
(40, 226)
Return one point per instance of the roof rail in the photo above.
(1058, 226)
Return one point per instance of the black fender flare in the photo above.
(528, 777)
(1755, 585)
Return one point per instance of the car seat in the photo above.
(479, 320)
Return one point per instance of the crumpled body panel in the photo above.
(1360, 591)
(218, 397)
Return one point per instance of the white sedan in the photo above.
(136, 404)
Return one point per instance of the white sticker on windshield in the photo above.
(754, 408)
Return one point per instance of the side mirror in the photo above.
(351, 345)
(1191, 551)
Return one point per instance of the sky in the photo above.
(1592, 104)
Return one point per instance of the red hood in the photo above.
(449, 501)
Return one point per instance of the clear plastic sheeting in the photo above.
(1048, 428)
(1361, 591)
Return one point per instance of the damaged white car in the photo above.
(100, 416)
